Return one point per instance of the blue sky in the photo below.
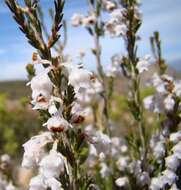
(161, 15)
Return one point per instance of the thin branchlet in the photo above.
(30, 24)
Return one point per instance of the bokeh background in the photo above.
(162, 15)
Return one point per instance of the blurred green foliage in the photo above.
(16, 125)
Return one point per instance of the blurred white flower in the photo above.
(120, 30)
(10, 186)
(115, 67)
(156, 184)
(102, 142)
(135, 167)
(143, 179)
(159, 84)
(76, 19)
(175, 137)
(37, 183)
(174, 187)
(89, 20)
(109, 5)
(54, 184)
(6, 158)
(105, 170)
(177, 150)
(169, 103)
(79, 77)
(154, 103)
(143, 64)
(34, 149)
(169, 177)
(149, 102)
(172, 162)
(52, 165)
(177, 88)
(122, 163)
(115, 26)
(122, 182)
(159, 150)
(81, 53)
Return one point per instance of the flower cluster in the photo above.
(167, 93)
(170, 176)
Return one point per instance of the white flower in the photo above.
(115, 67)
(6, 158)
(143, 64)
(10, 186)
(53, 184)
(109, 5)
(159, 150)
(156, 184)
(37, 183)
(120, 30)
(172, 162)
(169, 177)
(92, 158)
(115, 26)
(34, 149)
(177, 150)
(175, 137)
(88, 20)
(90, 93)
(122, 163)
(41, 86)
(154, 103)
(169, 103)
(117, 14)
(81, 53)
(135, 167)
(143, 179)
(174, 187)
(122, 182)
(149, 102)
(102, 143)
(105, 171)
(76, 19)
(118, 146)
(57, 124)
(79, 77)
(177, 88)
(158, 83)
(52, 165)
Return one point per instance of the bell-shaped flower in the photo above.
(57, 124)
(175, 137)
(122, 182)
(37, 183)
(41, 86)
(169, 103)
(52, 165)
(79, 77)
(34, 149)
(53, 184)
(89, 20)
(76, 19)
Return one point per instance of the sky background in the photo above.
(161, 15)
